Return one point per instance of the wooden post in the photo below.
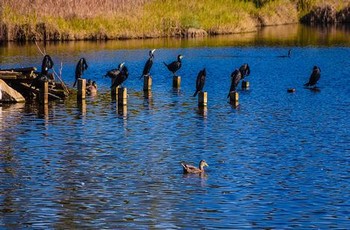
(202, 99)
(122, 96)
(114, 93)
(81, 89)
(147, 94)
(147, 83)
(176, 82)
(82, 107)
(44, 93)
(123, 110)
(234, 98)
(203, 111)
(245, 84)
(44, 110)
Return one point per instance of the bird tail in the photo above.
(307, 84)
(165, 64)
(75, 83)
(195, 93)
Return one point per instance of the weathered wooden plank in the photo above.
(23, 69)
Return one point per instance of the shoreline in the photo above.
(25, 27)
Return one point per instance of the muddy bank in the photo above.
(326, 15)
(287, 14)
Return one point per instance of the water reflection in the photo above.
(99, 165)
(286, 35)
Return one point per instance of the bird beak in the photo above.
(122, 64)
(153, 51)
(206, 164)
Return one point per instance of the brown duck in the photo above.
(192, 169)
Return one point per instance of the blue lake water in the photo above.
(279, 160)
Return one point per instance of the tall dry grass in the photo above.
(84, 19)
(73, 8)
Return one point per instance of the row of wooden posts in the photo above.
(120, 93)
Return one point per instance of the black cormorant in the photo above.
(286, 56)
(175, 65)
(245, 70)
(235, 78)
(148, 64)
(315, 76)
(46, 64)
(119, 75)
(200, 81)
(79, 70)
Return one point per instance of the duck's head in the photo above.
(203, 163)
(179, 57)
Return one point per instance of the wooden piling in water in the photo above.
(123, 110)
(245, 84)
(202, 99)
(114, 93)
(44, 93)
(176, 82)
(234, 98)
(82, 107)
(147, 94)
(122, 96)
(147, 83)
(81, 89)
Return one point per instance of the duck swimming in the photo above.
(193, 169)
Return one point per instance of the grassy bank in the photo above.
(115, 19)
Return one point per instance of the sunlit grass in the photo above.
(148, 18)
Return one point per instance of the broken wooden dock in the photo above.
(16, 85)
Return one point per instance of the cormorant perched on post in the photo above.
(46, 64)
(148, 64)
(245, 70)
(235, 78)
(175, 65)
(119, 75)
(200, 81)
(315, 76)
(79, 70)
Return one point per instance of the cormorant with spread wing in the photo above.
(148, 64)
(79, 70)
(200, 81)
(119, 75)
(315, 76)
(175, 65)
